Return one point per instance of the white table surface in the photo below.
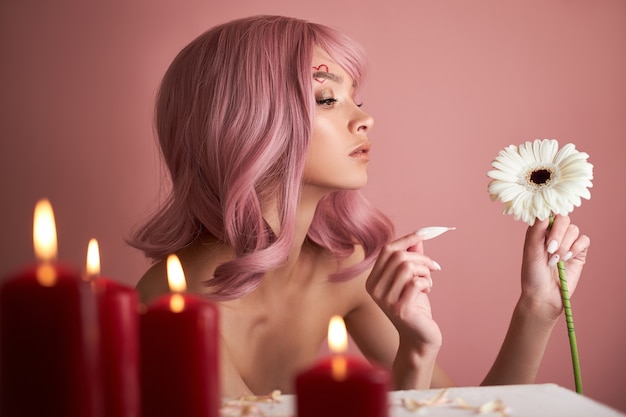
(541, 400)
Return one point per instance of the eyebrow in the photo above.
(328, 75)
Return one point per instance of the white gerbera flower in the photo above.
(536, 179)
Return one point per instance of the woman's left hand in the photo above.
(543, 248)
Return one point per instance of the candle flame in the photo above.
(337, 335)
(338, 343)
(93, 258)
(175, 274)
(177, 284)
(45, 243)
(44, 232)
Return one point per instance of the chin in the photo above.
(346, 184)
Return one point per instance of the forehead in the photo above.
(322, 62)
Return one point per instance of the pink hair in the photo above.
(234, 120)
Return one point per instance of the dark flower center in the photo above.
(540, 176)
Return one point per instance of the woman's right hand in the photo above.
(399, 283)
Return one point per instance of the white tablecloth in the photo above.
(541, 400)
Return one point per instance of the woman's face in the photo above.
(339, 149)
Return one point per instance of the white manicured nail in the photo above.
(553, 246)
(554, 260)
(567, 256)
(433, 231)
(437, 266)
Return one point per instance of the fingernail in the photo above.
(553, 246)
(431, 281)
(436, 265)
(433, 231)
(567, 256)
(554, 260)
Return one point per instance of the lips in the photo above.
(362, 151)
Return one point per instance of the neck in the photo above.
(304, 217)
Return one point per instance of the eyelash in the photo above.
(330, 101)
(326, 101)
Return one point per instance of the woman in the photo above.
(267, 145)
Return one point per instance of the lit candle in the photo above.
(342, 385)
(48, 335)
(179, 352)
(119, 339)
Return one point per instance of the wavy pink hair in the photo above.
(234, 120)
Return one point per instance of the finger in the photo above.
(400, 269)
(399, 245)
(557, 233)
(414, 290)
(571, 235)
(417, 248)
(402, 309)
(392, 280)
(564, 253)
(425, 284)
(536, 234)
(580, 247)
(411, 296)
(405, 241)
(420, 278)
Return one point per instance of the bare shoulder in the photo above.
(350, 293)
(199, 262)
(153, 283)
(358, 282)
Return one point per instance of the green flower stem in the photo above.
(569, 318)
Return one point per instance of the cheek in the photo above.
(320, 155)
(319, 139)
(320, 125)
(314, 155)
(326, 130)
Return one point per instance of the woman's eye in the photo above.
(327, 102)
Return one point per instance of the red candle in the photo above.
(49, 353)
(179, 353)
(340, 385)
(119, 340)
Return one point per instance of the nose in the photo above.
(361, 122)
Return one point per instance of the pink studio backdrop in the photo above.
(452, 82)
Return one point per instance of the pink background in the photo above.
(452, 82)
